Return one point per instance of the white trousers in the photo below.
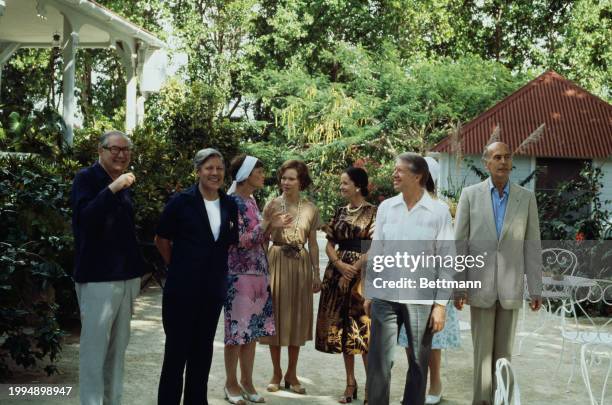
(106, 310)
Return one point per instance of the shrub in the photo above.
(575, 210)
(36, 247)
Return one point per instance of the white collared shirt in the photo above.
(429, 221)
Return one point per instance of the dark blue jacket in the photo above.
(198, 264)
(104, 233)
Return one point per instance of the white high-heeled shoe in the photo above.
(253, 397)
(234, 399)
(433, 399)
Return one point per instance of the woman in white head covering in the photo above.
(248, 307)
(434, 169)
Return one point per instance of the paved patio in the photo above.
(323, 374)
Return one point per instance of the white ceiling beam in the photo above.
(91, 45)
(77, 19)
(106, 20)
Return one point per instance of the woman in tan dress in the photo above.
(342, 325)
(294, 272)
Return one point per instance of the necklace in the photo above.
(348, 208)
(350, 211)
(297, 218)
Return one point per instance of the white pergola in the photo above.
(84, 24)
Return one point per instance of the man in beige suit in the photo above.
(500, 221)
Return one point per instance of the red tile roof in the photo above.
(578, 124)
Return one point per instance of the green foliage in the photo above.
(229, 43)
(375, 110)
(37, 132)
(215, 34)
(153, 187)
(414, 105)
(36, 247)
(188, 116)
(585, 46)
(26, 80)
(575, 210)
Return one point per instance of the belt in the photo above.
(354, 245)
(298, 245)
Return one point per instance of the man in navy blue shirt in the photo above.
(108, 267)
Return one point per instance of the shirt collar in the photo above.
(506, 187)
(426, 201)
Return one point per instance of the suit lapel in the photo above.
(511, 210)
(224, 215)
(487, 203)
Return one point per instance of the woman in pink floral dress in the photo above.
(248, 307)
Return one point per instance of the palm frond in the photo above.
(531, 139)
(456, 144)
(494, 136)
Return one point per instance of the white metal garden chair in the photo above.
(591, 356)
(556, 262)
(506, 383)
(578, 326)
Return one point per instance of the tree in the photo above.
(584, 52)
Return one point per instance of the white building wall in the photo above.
(606, 167)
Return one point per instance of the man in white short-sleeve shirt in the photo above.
(417, 224)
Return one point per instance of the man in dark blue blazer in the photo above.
(107, 269)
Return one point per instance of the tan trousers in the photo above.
(493, 332)
(106, 311)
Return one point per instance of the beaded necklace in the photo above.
(352, 211)
(348, 208)
(296, 221)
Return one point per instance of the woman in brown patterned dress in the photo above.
(342, 325)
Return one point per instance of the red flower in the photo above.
(359, 163)
(580, 236)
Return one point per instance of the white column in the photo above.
(142, 98)
(131, 102)
(71, 40)
(140, 113)
(5, 54)
(128, 58)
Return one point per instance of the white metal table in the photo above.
(556, 289)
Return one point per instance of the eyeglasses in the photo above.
(115, 150)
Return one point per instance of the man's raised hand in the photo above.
(122, 182)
